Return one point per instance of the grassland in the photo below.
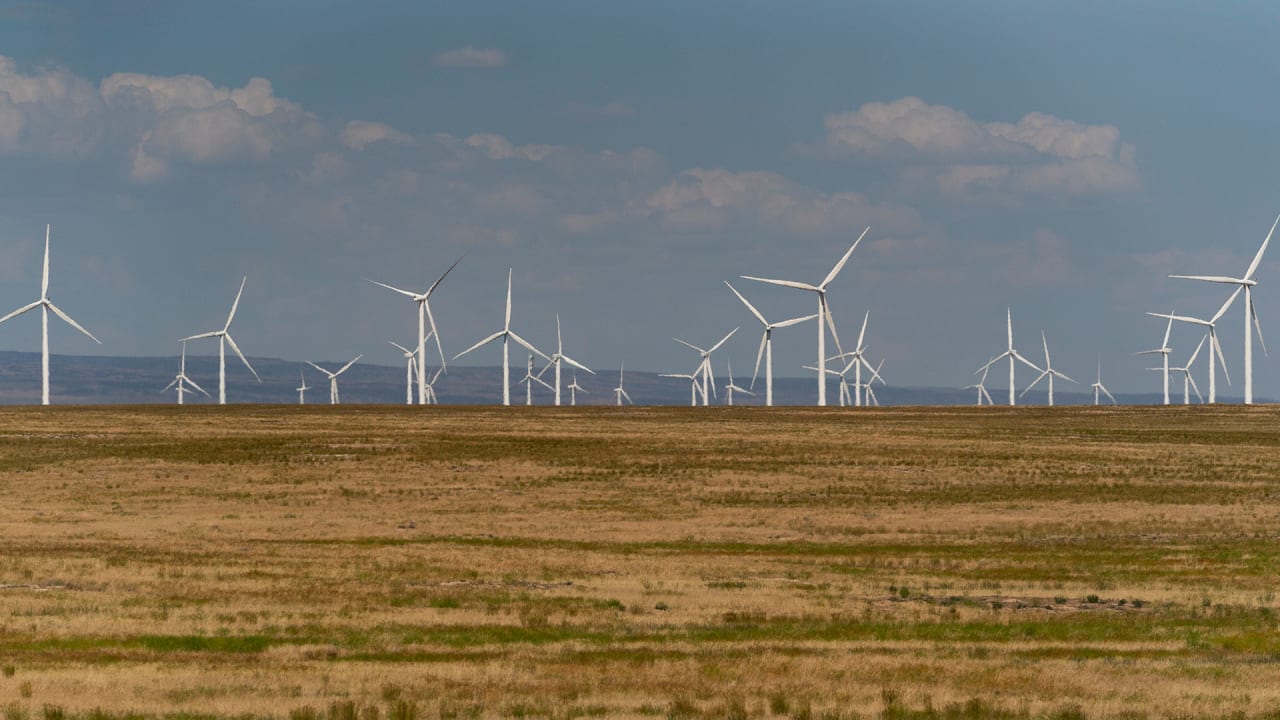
(463, 562)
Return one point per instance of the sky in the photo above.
(626, 159)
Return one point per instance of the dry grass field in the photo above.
(396, 563)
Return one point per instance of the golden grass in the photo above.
(673, 562)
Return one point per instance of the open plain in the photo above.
(361, 562)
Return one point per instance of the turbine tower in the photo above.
(506, 334)
(694, 385)
(574, 389)
(981, 387)
(1164, 351)
(410, 367)
(424, 316)
(730, 388)
(1187, 380)
(45, 305)
(824, 313)
(431, 387)
(1215, 347)
(766, 345)
(618, 392)
(1250, 313)
(1049, 372)
(180, 381)
(333, 378)
(225, 339)
(529, 379)
(1013, 355)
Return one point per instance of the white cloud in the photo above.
(360, 133)
(1040, 153)
(707, 199)
(50, 110)
(497, 147)
(471, 57)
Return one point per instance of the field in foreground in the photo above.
(453, 562)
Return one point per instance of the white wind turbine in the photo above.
(45, 305)
(302, 388)
(694, 385)
(506, 334)
(333, 378)
(1215, 347)
(857, 361)
(824, 313)
(618, 392)
(1098, 387)
(1187, 380)
(766, 345)
(410, 367)
(574, 389)
(704, 368)
(558, 358)
(180, 381)
(431, 387)
(1164, 351)
(981, 387)
(846, 398)
(1013, 355)
(529, 379)
(1049, 372)
(225, 339)
(1250, 313)
(424, 317)
(875, 375)
(730, 388)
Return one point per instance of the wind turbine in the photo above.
(225, 339)
(431, 387)
(708, 376)
(871, 394)
(424, 316)
(1098, 387)
(982, 385)
(730, 387)
(1215, 347)
(302, 388)
(1164, 351)
(574, 389)
(1012, 354)
(766, 345)
(557, 358)
(410, 367)
(1250, 313)
(824, 312)
(693, 384)
(1049, 372)
(333, 378)
(529, 379)
(45, 305)
(857, 361)
(180, 381)
(618, 392)
(1187, 380)
(506, 334)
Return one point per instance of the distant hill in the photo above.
(105, 380)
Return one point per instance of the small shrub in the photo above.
(1138, 603)
(1092, 599)
(53, 712)
(391, 693)
(9, 670)
(904, 592)
(402, 710)
(343, 710)
(1059, 600)
(25, 689)
(661, 606)
(14, 711)
(778, 704)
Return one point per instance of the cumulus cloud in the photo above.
(471, 57)
(710, 199)
(497, 147)
(49, 110)
(1040, 153)
(360, 133)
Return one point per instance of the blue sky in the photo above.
(627, 158)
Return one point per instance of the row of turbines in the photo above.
(702, 378)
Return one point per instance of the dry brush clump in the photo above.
(477, 562)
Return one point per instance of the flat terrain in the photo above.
(480, 562)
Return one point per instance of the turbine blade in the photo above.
(193, 384)
(795, 321)
(326, 372)
(784, 283)
(67, 319)
(485, 341)
(690, 345)
(862, 333)
(1210, 278)
(1257, 325)
(507, 325)
(431, 320)
(574, 363)
(403, 349)
(831, 323)
(201, 336)
(1217, 347)
(1222, 310)
(1192, 380)
(22, 309)
(1025, 361)
(764, 339)
(394, 289)
(1035, 382)
(840, 265)
(44, 279)
(231, 316)
(243, 359)
(173, 382)
(1168, 329)
(1108, 394)
(722, 341)
(750, 307)
(1182, 318)
(1257, 259)
(440, 279)
(1197, 352)
(528, 346)
(344, 367)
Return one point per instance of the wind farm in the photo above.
(593, 509)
